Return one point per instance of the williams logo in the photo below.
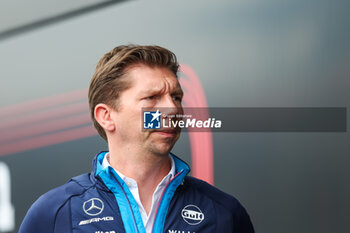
(93, 207)
(192, 215)
(151, 120)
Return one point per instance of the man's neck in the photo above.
(146, 169)
(141, 169)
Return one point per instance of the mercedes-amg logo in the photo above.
(93, 207)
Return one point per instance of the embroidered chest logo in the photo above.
(93, 207)
(192, 214)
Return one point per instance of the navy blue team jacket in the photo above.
(101, 202)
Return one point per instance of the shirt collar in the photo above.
(131, 182)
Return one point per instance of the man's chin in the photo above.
(161, 148)
(162, 142)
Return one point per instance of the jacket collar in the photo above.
(97, 162)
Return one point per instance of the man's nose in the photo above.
(170, 106)
(168, 102)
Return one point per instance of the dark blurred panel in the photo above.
(258, 54)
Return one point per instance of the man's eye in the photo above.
(150, 97)
(177, 98)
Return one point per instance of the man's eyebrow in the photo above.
(177, 91)
(156, 90)
(150, 91)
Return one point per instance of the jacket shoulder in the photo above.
(42, 214)
(225, 204)
(215, 194)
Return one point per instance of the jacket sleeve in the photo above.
(51, 212)
(40, 218)
(242, 220)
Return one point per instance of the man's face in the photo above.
(155, 87)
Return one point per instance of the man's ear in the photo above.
(103, 114)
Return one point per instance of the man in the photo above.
(138, 186)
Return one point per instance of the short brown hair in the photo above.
(108, 80)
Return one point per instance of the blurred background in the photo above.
(246, 53)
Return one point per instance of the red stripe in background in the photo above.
(39, 128)
(33, 105)
(22, 125)
(201, 142)
(34, 124)
(48, 140)
(45, 115)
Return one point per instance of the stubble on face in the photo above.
(151, 87)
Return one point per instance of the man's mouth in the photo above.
(167, 132)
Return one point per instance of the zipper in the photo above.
(161, 197)
(132, 212)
